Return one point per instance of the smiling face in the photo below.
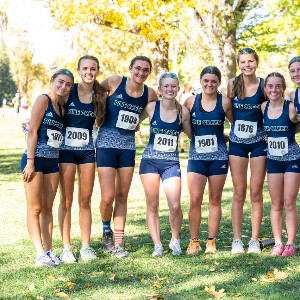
(88, 70)
(169, 88)
(274, 88)
(140, 71)
(61, 85)
(209, 83)
(295, 72)
(247, 64)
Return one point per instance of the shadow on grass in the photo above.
(10, 161)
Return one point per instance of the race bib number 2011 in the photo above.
(165, 142)
(127, 120)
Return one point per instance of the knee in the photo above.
(46, 210)
(34, 210)
(107, 200)
(85, 203)
(66, 204)
(215, 202)
(239, 197)
(152, 206)
(277, 207)
(290, 205)
(175, 208)
(195, 202)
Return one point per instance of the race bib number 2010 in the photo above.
(278, 146)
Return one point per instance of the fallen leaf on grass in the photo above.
(114, 277)
(142, 279)
(31, 287)
(254, 279)
(40, 298)
(161, 278)
(88, 286)
(184, 273)
(274, 277)
(69, 284)
(62, 295)
(50, 277)
(212, 290)
(157, 285)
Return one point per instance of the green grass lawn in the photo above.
(139, 276)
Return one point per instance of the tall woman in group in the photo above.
(39, 164)
(87, 101)
(208, 156)
(160, 160)
(247, 137)
(115, 148)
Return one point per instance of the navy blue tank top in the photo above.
(121, 119)
(49, 133)
(247, 126)
(297, 102)
(282, 145)
(79, 119)
(163, 137)
(208, 142)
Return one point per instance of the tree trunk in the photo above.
(160, 57)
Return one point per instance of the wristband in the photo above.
(29, 158)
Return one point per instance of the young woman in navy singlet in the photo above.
(160, 160)
(247, 137)
(87, 100)
(115, 148)
(294, 69)
(283, 162)
(39, 164)
(208, 156)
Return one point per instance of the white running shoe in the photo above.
(175, 246)
(158, 250)
(254, 246)
(237, 247)
(67, 256)
(87, 253)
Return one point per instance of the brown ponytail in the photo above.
(99, 98)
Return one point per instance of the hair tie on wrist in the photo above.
(29, 158)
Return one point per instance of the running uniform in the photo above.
(283, 150)
(247, 133)
(161, 153)
(48, 142)
(208, 152)
(115, 140)
(77, 146)
(297, 102)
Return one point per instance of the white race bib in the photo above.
(245, 129)
(206, 143)
(76, 137)
(278, 146)
(165, 142)
(54, 138)
(127, 120)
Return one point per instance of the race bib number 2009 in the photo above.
(127, 120)
(76, 137)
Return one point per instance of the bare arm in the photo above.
(37, 114)
(227, 106)
(151, 95)
(111, 83)
(230, 92)
(186, 122)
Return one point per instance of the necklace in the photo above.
(166, 107)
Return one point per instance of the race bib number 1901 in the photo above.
(206, 143)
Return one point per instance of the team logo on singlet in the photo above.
(194, 114)
(223, 167)
(49, 114)
(72, 104)
(120, 96)
(154, 123)
(294, 167)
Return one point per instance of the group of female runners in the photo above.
(60, 143)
